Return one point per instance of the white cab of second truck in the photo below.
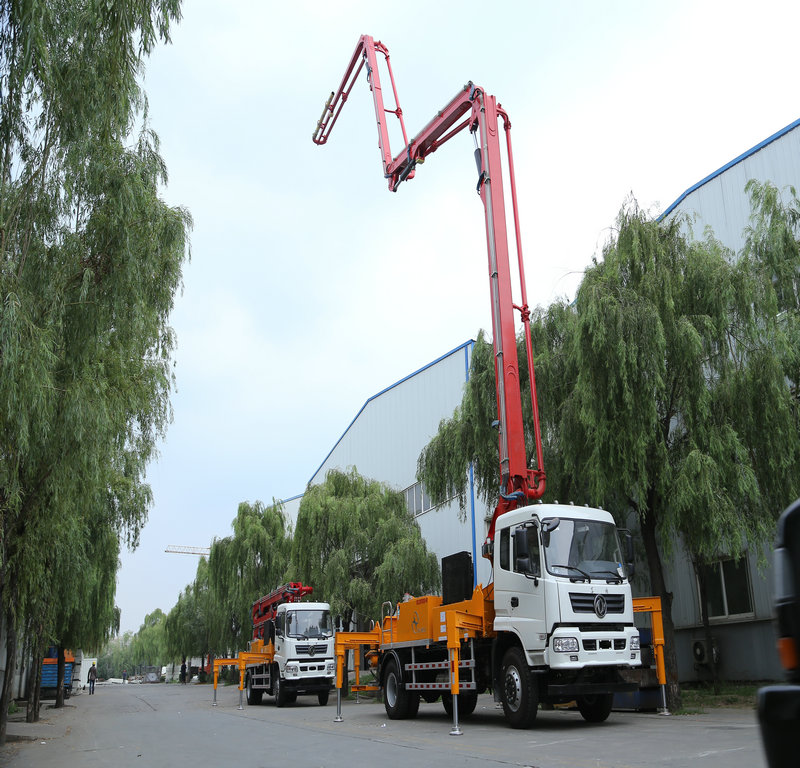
(303, 661)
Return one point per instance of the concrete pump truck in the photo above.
(556, 623)
(291, 652)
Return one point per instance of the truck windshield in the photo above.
(308, 624)
(584, 550)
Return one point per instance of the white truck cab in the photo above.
(562, 586)
(304, 645)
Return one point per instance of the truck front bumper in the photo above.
(587, 682)
(310, 677)
(571, 649)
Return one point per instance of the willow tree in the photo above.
(666, 390)
(242, 568)
(187, 628)
(116, 656)
(358, 546)
(83, 612)
(149, 645)
(90, 260)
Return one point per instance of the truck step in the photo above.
(462, 664)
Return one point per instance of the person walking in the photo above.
(92, 677)
(183, 672)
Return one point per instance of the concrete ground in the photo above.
(176, 725)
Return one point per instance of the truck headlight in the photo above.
(292, 670)
(635, 643)
(565, 644)
(331, 667)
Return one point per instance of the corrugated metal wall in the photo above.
(391, 429)
(719, 200)
(385, 439)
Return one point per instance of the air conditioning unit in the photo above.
(701, 654)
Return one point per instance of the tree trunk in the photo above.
(703, 589)
(31, 684)
(659, 587)
(24, 673)
(60, 678)
(37, 690)
(8, 679)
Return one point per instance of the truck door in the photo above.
(519, 589)
(280, 636)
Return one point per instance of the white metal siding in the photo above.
(385, 439)
(720, 202)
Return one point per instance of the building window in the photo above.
(728, 588)
(417, 500)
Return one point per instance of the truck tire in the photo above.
(322, 697)
(279, 689)
(413, 704)
(518, 688)
(466, 703)
(396, 699)
(253, 695)
(595, 708)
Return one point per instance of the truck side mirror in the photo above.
(779, 705)
(522, 554)
(548, 525)
(630, 561)
(787, 590)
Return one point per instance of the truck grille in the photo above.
(311, 649)
(592, 644)
(583, 603)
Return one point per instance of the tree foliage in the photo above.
(90, 261)
(358, 545)
(244, 567)
(149, 644)
(187, 626)
(116, 656)
(668, 389)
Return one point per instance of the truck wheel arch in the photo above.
(385, 659)
(500, 645)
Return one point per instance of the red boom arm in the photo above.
(266, 608)
(479, 112)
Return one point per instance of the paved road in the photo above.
(174, 725)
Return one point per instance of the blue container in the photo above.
(50, 674)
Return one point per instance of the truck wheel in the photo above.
(595, 708)
(279, 689)
(466, 703)
(412, 707)
(253, 695)
(395, 697)
(322, 697)
(520, 700)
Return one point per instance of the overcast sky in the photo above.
(311, 287)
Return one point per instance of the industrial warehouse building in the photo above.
(386, 436)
